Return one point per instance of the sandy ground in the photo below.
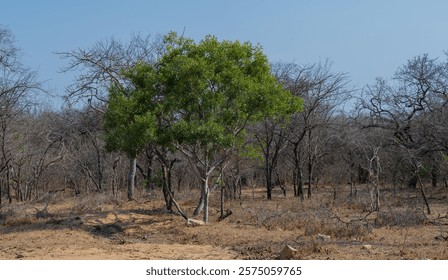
(73, 229)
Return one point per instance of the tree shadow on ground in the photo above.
(111, 224)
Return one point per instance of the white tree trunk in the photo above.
(206, 192)
(131, 177)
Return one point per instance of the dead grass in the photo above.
(401, 217)
(107, 227)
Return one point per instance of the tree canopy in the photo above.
(216, 88)
(130, 120)
(198, 97)
(204, 93)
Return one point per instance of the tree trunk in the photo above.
(8, 185)
(200, 205)
(296, 182)
(310, 177)
(268, 174)
(173, 201)
(422, 191)
(20, 195)
(167, 187)
(374, 196)
(412, 183)
(222, 201)
(99, 166)
(353, 189)
(300, 191)
(434, 175)
(149, 160)
(203, 201)
(131, 177)
(280, 183)
(310, 165)
(114, 178)
(269, 183)
(377, 198)
(295, 172)
(206, 191)
(204, 173)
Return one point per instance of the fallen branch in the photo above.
(182, 213)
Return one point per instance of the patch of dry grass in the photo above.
(257, 229)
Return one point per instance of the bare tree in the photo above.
(103, 65)
(17, 85)
(270, 137)
(403, 106)
(323, 92)
(373, 168)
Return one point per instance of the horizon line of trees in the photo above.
(394, 136)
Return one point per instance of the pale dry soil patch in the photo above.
(258, 229)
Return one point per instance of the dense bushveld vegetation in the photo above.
(388, 135)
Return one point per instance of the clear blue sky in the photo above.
(365, 39)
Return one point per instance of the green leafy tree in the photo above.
(212, 91)
(198, 98)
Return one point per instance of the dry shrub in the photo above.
(93, 203)
(337, 229)
(401, 217)
(258, 251)
(311, 217)
(320, 219)
(309, 249)
(19, 221)
(3, 215)
(359, 206)
(16, 215)
(284, 220)
(273, 215)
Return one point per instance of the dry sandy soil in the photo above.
(101, 227)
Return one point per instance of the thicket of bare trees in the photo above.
(395, 135)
